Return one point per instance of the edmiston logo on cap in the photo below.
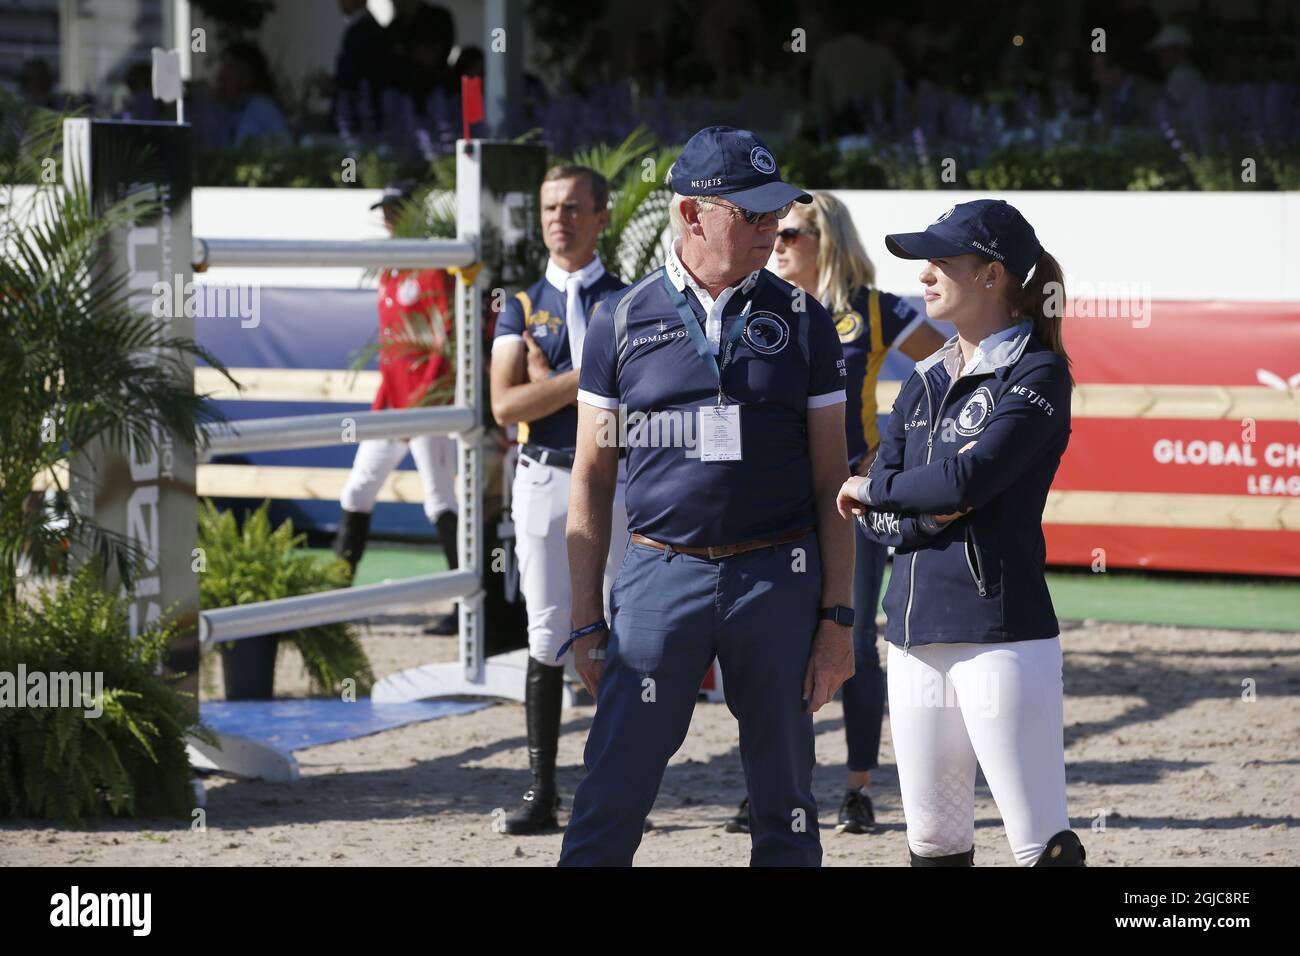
(988, 250)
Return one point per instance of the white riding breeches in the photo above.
(540, 510)
(435, 460)
(952, 706)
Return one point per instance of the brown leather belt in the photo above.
(726, 550)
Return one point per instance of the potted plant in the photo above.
(253, 562)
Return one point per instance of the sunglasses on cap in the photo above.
(790, 235)
(750, 217)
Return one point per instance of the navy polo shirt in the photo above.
(873, 323)
(784, 363)
(541, 309)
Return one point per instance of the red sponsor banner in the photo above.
(1185, 456)
(1172, 549)
(1191, 399)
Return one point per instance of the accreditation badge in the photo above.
(719, 433)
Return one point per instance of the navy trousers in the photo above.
(671, 615)
(863, 694)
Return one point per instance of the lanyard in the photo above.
(697, 333)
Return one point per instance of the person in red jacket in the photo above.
(414, 304)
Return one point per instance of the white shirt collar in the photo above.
(589, 273)
(681, 280)
(987, 345)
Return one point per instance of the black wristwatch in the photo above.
(839, 614)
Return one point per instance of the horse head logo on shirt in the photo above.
(767, 332)
(974, 415)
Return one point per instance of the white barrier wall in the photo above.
(1227, 246)
(1192, 246)
(1236, 246)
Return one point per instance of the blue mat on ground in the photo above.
(294, 724)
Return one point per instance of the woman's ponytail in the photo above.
(1042, 298)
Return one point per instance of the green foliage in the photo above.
(56, 762)
(318, 166)
(638, 212)
(1139, 164)
(260, 563)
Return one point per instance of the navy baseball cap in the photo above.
(992, 228)
(395, 194)
(724, 161)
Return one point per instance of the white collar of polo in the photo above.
(999, 349)
(589, 273)
(680, 278)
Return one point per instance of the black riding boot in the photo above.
(445, 625)
(1064, 849)
(954, 859)
(543, 697)
(350, 543)
(446, 525)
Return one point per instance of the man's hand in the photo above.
(829, 665)
(539, 370)
(848, 502)
(588, 669)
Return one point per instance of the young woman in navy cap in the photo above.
(958, 488)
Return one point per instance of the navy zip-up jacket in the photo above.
(980, 578)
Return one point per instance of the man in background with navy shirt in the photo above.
(730, 387)
(536, 352)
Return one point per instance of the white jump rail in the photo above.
(327, 607)
(318, 431)
(471, 674)
(221, 625)
(324, 253)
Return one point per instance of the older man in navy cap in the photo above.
(728, 385)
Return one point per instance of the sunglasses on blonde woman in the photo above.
(790, 235)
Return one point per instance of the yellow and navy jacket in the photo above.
(541, 309)
(874, 321)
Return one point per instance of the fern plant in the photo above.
(58, 762)
(632, 243)
(260, 563)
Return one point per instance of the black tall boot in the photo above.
(955, 859)
(447, 526)
(445, 625)
(350, 542)
(1064, 849)
(542, 699)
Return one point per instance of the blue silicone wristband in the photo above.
(581, 632)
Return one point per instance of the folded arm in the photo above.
(1032, 415)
